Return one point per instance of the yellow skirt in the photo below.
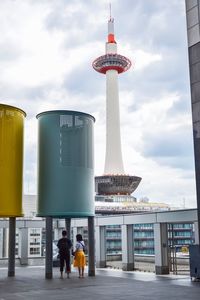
(79, 259)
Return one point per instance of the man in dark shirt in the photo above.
(64, 245)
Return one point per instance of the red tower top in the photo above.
(111, 35)
(111, 61)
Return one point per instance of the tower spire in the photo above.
(110, 10)
(111, 35)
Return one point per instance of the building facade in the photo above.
(179, 234)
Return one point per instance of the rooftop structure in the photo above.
(109, 204)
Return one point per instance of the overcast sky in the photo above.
(46, 52)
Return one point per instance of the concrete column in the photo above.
(23, 239)
(100, 235)
(49, 249)
(75, 232)
(68, 228)
(91, 247)
(1, 242)
(127, 248)
(11, 249)
(196, 233)
(161, 248)
(5, 242)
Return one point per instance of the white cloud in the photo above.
(140, 58)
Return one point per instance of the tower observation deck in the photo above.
(114, 180)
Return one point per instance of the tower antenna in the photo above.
(110, 10)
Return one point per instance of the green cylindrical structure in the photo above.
(65, 164)
(11, 160)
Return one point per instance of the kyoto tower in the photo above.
(114, 181)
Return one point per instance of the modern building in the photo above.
(179, 234)
(193, 35)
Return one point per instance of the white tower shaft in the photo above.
(113, 159)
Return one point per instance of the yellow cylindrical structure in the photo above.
(11, 160)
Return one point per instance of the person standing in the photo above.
(79, 255)
(64, 245)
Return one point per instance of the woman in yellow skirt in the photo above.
(79, 255)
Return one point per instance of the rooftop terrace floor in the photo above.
(30, 283)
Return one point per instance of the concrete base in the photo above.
(11, 273)
(161, 270)
(91, 273)
(101, 264)
(48, 276)
(128, 267)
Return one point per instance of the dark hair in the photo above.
(79, 237)
(64, 233)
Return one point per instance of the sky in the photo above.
(46, 52)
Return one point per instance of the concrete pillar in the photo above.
(127, 248)
(68, 228)
(91, 247)
(23, 239)
(1, 242)
(11, 249)
(100, 237)
(196, 233)
(49, 249)
(5, 242)
(161, 248)
(75, 232)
